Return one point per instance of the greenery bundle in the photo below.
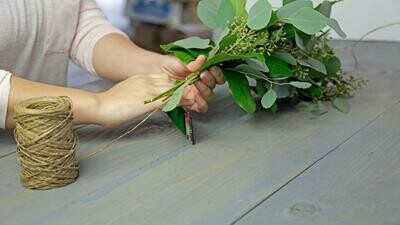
(285, 51)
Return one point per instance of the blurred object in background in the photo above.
(114, 10)
(156, 22)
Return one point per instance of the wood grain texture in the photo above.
(357, 184)
(156, 177)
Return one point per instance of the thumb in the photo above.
(195, 65)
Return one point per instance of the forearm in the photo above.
(85, 104)
(116, 58)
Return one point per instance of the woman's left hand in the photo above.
(196, 97)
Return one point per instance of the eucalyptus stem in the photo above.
(191, 79)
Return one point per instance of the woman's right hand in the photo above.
(125, 101)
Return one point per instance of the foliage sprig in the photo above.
(285, 50)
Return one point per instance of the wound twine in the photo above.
(46, 142)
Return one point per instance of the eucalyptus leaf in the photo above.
(223, 34)
(288, 9)
(250, 72)
(286, 57)
(257, 65)
(193, 42)
(334, 24)
(299, 41)
(249, 4)
(269, 99)
(225, 13)
(175, 99)
(283, 91)
(342, 105)
(259, 15)
(313, 64)
(325, 8)
(301, 85)
(308, 20)
(207, 12)
(241, 92)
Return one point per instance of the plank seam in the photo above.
(314, 163)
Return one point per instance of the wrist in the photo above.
(87, 110)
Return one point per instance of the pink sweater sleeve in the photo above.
(92, 26)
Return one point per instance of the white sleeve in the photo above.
(92, 26)
(5, 85)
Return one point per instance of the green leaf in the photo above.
(286, 57)
(257, 65)
(259, 15)
(226, 13)
(184, 55)
(325, 8)
(175, 99)
(342, 105)
(227, 41)
(308, 20)
(315, 91)
(333, 66)
(288, 9)
(278, 68)
(299, 41)
(178, 118)
(193, 42)
(239, 86)
(239, 6)
(269, 99)
(301, 85)
(223, 57)
(313, 64)
(207, 12)
(334, 24)
(196, 52)
(274, 19)
(274, 107)
(250, 71)
(261, 88)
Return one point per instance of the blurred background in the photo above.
(150, 23)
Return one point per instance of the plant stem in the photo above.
(191, 79)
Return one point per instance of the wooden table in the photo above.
(275, 169)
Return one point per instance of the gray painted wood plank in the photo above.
(215, 182)
(357, 184)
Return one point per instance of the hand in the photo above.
(125, 101)
(197, 96)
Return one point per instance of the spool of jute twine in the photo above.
(46, 142)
